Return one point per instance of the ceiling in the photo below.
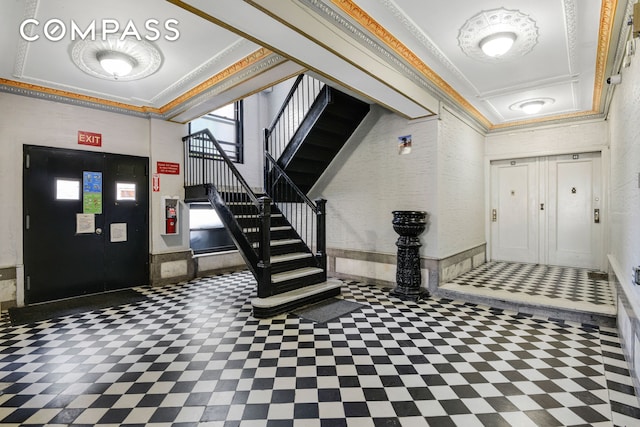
(411, 56)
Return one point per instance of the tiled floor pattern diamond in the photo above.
(192, 355)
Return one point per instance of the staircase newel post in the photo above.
(264, 258)
(266, 163)
(321, 230)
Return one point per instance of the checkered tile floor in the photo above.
(540, 284)
(191, 354)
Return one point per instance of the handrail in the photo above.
(306, 217)
(276, 119)
(227, 160)
(207, 165)
(291, 114)
(282, 174)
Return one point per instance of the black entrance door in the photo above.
(86, 227)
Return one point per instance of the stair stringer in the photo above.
(235, 230)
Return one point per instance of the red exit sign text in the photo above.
(89, 138)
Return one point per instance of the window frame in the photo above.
(236, 153)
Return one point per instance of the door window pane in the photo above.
(67, 189)
(125, 191)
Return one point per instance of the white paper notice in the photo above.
(119, 232)
(85, 223)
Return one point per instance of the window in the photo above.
(225, 125)
(125, 191)
(67, 189)
(207, 233)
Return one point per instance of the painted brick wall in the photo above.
(625, 205)
(25, 120)
(369, 179)
(549, 140)
(460, 186)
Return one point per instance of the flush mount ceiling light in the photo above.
(498, 34)
(116, 59)
(116, 63)
(497, 44)
(531, 106)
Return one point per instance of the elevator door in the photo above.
(574, 194)
(547, 210)
(85, 222)
(514, 213)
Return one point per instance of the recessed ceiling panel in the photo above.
(191, 49)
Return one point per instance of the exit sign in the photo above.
(89, 138)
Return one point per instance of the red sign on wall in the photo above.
(168, 168)
(89, 138)
(156, 182)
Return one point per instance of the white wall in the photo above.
(549, 140)
(30, 121)
(255, 120)
(166, 146)
(624, 207)
(369, 179)
(461, 212)
(25, 120)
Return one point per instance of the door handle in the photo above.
(596, 216)
(494, 215)
(98, 231)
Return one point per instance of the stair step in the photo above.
(288, 301)
(290, 257)
(285, 242)
(277, 215)
(281, 242)
(295, 274)
(256, 229)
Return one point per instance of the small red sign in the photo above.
(168, 168)
(156, 182)
(89, 138)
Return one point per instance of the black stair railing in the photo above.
(207, 164)
(295, 107)
(307, 218)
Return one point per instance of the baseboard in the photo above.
(380, 268)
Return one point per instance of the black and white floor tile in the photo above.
(192, 354)
(539, 284)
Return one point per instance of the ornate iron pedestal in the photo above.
(409, 225)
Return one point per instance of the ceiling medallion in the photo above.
(143, 57)
(483, 26)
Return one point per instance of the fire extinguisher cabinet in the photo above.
(171, 216)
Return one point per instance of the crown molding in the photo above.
(242, 70)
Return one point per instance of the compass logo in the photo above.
(56, 29)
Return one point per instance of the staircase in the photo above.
(306, 152)
(281, 232)
(281, 238)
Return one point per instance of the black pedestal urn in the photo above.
(409, 225)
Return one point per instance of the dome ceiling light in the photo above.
(498, 34)
(116, 63)
(531, 106)
(497, 44)
(116, 59)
